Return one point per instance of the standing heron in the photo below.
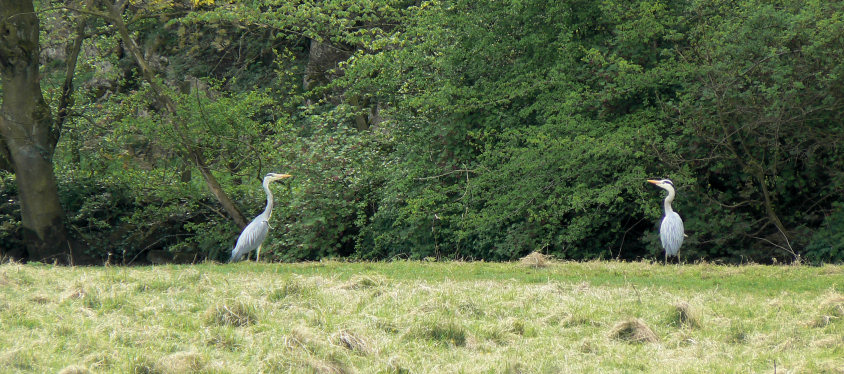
(671, 229)
(255, 232)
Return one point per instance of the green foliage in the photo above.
(339, 21)
(565, 193)
(121, 218)
(95, 210)
(827, 243)
(460, 129)
(760, 109)
(10, 215)
(532, 126)
(335, 174)
(523, 134)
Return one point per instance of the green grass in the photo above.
(421, 317)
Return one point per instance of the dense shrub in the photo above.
(536, 123)
(827, 243)
(460, 129)
(11, 238)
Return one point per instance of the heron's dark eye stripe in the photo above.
(669, 182)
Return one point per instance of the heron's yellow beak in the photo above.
(275, 176)
(653, 181)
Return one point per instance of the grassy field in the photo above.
(422, 317)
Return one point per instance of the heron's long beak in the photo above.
(653, 181)
(276, 177)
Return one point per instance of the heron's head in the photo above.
(665, 184)
(275, 176)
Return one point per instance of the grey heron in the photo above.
(255, 232)
(671, 229)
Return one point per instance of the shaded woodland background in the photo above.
(454, 129)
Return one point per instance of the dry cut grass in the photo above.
(531, 316)
(686, 315)
(634, 330)
(536, 260)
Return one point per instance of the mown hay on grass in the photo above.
(21, 359)
(633, 330)
(39, 299)
(236, 313)
(76, 293)
(180, 362)
(821, 321)
(302, 338)
(285, 363)
(685, 315)
(834, 307)
(330, 366)
(74, 369)
(362, 282)
(352, 342)
(291, 288)
(221, 337)
(738, 332)
(514, 368)
(831, 310)
(396, 365)
(519, 327)
(536, 260)
(446, 332)
(141, 365)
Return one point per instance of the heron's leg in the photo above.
(258, 253)
(665, 262)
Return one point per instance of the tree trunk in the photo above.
(72, 53)
(217, 190)
(29, 134)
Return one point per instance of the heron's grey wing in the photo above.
(251, 237)
(671, 233)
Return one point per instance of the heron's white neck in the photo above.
(669, 199)
(269, 209)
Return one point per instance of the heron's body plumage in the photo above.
(671, 230)
(252, 237)
(254, 234)
(671, 233)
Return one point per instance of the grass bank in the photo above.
(418, 317)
